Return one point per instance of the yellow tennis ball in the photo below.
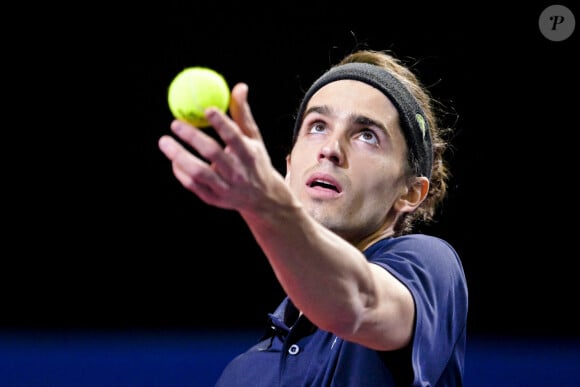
(195, 89)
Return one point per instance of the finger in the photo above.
(189, 169)
(204, 144)
(242, 113)
(176, 152)
(169, 147)
(195, 137)
(208, 187)
(239, 149)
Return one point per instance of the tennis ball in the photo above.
(195, 89)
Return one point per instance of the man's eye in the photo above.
(368, 136)
(317, 128)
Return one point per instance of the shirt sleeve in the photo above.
(431, 269)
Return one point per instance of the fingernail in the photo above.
(176, 126)
(210, 113)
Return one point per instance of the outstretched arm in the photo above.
(326, 277)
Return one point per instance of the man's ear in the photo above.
(413, 195)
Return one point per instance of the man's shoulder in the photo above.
(413, 245)
(418, 240)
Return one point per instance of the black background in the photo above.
(99, 235)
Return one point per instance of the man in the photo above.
(369, 302)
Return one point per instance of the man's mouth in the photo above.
(324, 182)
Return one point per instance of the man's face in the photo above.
(347, 165)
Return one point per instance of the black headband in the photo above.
(413, 121)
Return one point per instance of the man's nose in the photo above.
(332, 149)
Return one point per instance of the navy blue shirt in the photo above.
(294, 352)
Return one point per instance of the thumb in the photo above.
(241, 112)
